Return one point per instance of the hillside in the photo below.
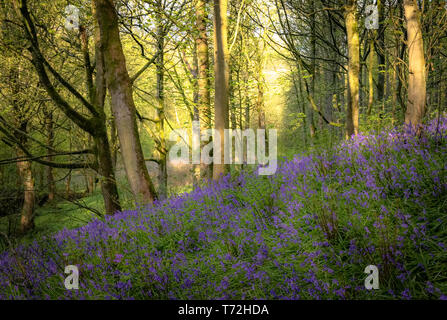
(307, 232)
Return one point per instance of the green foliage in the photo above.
(55, 216)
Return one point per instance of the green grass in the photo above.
(59, 214)
(56, 215)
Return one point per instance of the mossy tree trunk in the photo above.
(352, 33)
(416, 65)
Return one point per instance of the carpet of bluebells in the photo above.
(307, 232)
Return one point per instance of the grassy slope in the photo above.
(307, 232)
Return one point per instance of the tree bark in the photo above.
(27, 180)
(68, 179)
(370, 78)
(50, 141)
(103, 152)
(123, 106)
(313, 68)
(107, 174)
(416, 65)
(221, 80)
(26, 175)
(203, 79)
(196, 169)
(380, 50)
(113, 142)
(352, 115)
(260, 83)
(161, 141)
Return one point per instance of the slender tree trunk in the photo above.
(50, 142)
(203, 80)
(161, 141)
(362, 80)
(301, 101)
(370, 78)
(232, 98)
(247, 100)
(260, 105)
(28, 184)
(345, 95)
(123, 106)
(352, 115)
(313, 44)
(90, 175)
(68, 179)
(68, 185)
(89, 182)
(221, 82)
(440, 86)
(260, 83)
(380, 50)
(239, 92)
(416, 65)
(401, 49)
(196, 170)
(26, 175)
(394, 86)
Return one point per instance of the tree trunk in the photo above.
(107, 174)
(203, 79)
(70, 148)
(232, 97)
(123, 106)
(260, 84)
(103, 152)
(400, 50)
(313, 44)
(301, 102)
(380, 50)
(50, 142)
(196, 169)
(395, 85)
(161, 141)
(90, 175)
(416, 65)
(370, 78)
(27, 180)
(114, 143)
(221, 78)
(260, 105)
(67, 185)
(26, 175)
(352, 116)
